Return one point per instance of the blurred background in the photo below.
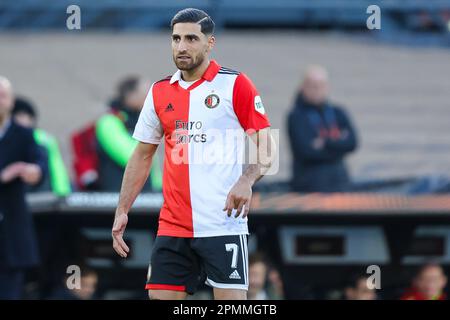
(364, 139)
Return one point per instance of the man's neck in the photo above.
(195, 74)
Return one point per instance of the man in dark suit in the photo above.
(321, 135)
(21, 163)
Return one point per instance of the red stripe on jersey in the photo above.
(171, 287)
(244, 93)
(176, 213)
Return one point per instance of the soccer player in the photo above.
(202, 233)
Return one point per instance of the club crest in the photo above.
(212, 101)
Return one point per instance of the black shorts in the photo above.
(182, 264)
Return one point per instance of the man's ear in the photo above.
(211, 42)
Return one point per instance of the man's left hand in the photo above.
(239, 197)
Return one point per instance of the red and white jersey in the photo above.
(202, 160)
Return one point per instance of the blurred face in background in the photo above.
(135, 99)
(257, 277)
(431, 282)
(190, 47)
(360, 292)
(25, 119)
(88, 287)
(315, 86)
(6, 97)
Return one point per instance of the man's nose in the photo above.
(182, 46)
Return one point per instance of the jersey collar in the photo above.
(208, 75)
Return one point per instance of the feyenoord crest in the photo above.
(212, 101)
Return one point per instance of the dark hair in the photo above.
(257, 257)
(23, 105)
(195, 16)
(127, 86)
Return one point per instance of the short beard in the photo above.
(193, 65)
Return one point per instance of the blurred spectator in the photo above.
(87, 290)
(357, 289)
(320, 135)
(276, 287)
(264, 282)
(21, 162)
(428, 284)
(57, 180)
(102, 150)
(84, 157)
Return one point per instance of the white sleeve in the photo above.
(148, 128)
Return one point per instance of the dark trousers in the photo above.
(11, 284)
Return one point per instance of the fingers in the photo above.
(7, 174)
(119, 250)
(240, 206)
(246, 209)
(120, 246)
(229, 205)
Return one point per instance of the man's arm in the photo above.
(34, 167)
(348, 141)
(261, 160)
(305, 142)
(136, 174)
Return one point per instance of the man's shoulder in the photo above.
(337, 108)
(21, 131)
(165, 79)
(335, 105)
(160, 87)
(228, 71)
(161, 83)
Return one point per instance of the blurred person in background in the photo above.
(86, 291)
(357, 289)
(22, 163)
(428, 284)
(321, 135)
(264, 282)
(57, 180)
(102, 149)
(114, 136)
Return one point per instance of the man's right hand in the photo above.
(119, 245)
(12, 171)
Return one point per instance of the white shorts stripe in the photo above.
(246, 258)
(241, 247)
(213, 284)
(242, 239)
